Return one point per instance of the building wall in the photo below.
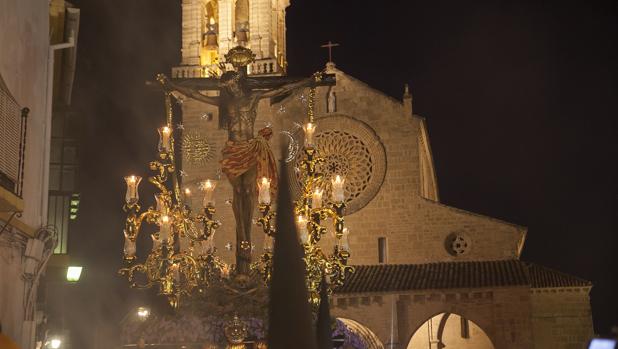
(24, 40)
(266, 35)
(502, 313)
(24, 36)
(416, 228)
(561, 318)
(11, 293)
(448, 330)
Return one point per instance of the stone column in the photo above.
(226, 18)
(190, 32)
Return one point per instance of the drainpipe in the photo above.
(48, 122)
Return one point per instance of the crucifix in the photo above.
(330, 46)
(246, 157)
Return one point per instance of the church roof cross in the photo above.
(330, 46)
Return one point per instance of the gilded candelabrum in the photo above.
(183, 258)
(311, 212)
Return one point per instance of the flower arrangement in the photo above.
(209, 330)
(350, 339)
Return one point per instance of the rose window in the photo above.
(349, 148)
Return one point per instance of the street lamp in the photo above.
(73, 273)
(55, 343)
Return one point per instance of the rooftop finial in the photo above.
(330, 46)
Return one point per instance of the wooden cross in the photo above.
(330, 46)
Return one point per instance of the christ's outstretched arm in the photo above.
(167, 84)
(285, 89)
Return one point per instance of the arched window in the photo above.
(241, 21)
(210, 29)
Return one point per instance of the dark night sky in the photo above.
(520, 99)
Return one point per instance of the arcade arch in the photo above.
(370, 339)
(449, 330)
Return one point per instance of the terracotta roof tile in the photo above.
(445, 275)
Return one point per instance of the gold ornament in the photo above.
(240, 57)
(235, 330)
(311, 213)
(180, 260)
(196, 148)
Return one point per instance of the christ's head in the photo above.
(233, 84)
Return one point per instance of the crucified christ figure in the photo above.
(245, 156)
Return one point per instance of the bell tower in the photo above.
(210, 28)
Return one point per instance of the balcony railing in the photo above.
(13, 126)
(260, 67)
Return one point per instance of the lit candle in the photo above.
(208, 186)
(188, 197)
(264, 191)
(165, 144)
(225, 271)
(129, 246)
(338, 183)
(316, 198)
(165, 229)
(132, 196)
(175, 268)
(309, 129)
(345, 243)
(301, 224)
(161, 206)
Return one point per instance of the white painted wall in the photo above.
(24, 47)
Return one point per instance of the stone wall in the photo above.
(416, 228)
(502, 313)
(447, 330)
(266, 30)
(561, 318)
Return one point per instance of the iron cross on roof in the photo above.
(330, 46)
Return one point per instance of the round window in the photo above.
(457, 244)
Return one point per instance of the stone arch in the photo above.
(241, 21)
(210, 9)
(370, 339)
(449, 330)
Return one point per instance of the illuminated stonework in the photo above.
(352, 149)
(210, 28)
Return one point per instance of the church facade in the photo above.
(427, 275)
